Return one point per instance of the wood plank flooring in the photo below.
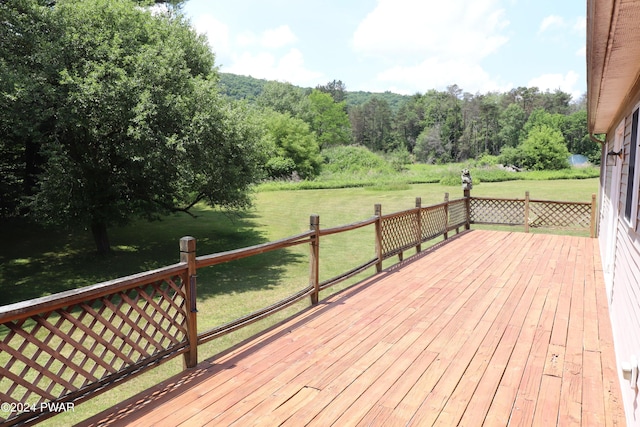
(490, 328)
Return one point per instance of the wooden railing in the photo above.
(535, 213)
(69, 347)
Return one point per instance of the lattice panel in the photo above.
(457, 213)
(433, 223)
(559, 215)
(399, 232)
(496, 211)
(48, 356)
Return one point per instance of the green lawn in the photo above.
(36, 262)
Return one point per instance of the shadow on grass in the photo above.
(36, 261)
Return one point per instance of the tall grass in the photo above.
(425, 174)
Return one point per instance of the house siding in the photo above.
(623, 282)
(606, 212)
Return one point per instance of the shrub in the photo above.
(545, 149)
(291, 140)
(280, 167)
(511, 156)
(354, 160)
(399, 158)
(487, 160)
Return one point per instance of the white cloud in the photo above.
(552, 21)
(434, 73)
(255, 55)
(246, 39)
(566, 83)
(271, 39)
(278, 37)
(265, 65)
(580, 25)
(453, 28)
(216, 32)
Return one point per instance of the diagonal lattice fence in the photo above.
(399, 232)
(408, 229)
(549, 214)
(497, 211)
(534, 213)
(457, 213)
(65, 353)
(433, 222)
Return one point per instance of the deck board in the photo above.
(491, 328)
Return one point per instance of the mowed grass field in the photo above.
(36, 262)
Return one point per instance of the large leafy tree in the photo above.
(285, 98)
(511, 122)
(25, 98)
(574, 129)
(131, 124)
(329, 120)
(544, 149)
(292, 146)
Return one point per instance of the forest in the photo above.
(436, 126)
(113, 112)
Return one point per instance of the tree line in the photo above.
(438, 126)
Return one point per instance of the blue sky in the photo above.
(403, 46)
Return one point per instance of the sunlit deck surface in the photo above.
(490, 328)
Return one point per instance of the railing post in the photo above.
(378, 213)
(467, 185)
(593, 216)
(188, 255)
(314, 262)
(526, 212)
(419, 224)
(446, 216)
(467, 208)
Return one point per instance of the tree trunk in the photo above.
(100, 236)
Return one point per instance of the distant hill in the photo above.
(241, 87)
(245, 87)
(393, 99)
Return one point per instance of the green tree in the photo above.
(285, 98)
(488, 124)
(336, 89)
(241, 87)
(556, 102)
(576, 134)
(25, 99)
(292, 146)
(511, 122)
(430, 148)
(135, 127)
(544, 149)
(371, 124)
(539, 117)
(409, 122)
(329, 120)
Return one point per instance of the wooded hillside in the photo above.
(437, 126)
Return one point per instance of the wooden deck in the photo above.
(491, 328)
